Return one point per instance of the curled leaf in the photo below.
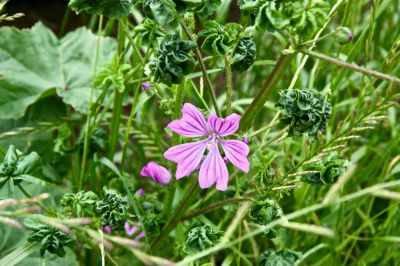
(174, 60)
(81, 204)
(201, 238)
(304, 110)
(112, 209)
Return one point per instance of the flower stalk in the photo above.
(203, 70)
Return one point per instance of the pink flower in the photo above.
(107, 229)
(188, 156)
(140, 192)
(145, 86)
(159, 173)
(131, 229)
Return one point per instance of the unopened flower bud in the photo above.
(145, 86)
(343, 35)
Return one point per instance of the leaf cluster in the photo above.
(112, 209)
(109, 8)
(81, 204)
(329, 170)
(284, 257)
(304, 111)
(51, 239)
(301, 19)
(174, 60)
(17, 167)
(201, 238)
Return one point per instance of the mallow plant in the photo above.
(187, 132)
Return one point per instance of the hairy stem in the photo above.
(349, 65)
(262, 96)
(203, 69)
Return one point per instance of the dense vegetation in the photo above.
(188, 132)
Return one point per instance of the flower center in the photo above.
(212, 141)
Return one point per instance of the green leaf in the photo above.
(33, 63)
(50, 238)
(201, 238)
(174, 60)
(112, 209)
(109, 8)
(163, 12)
(219, 39)
(284, 257)
(81, 204)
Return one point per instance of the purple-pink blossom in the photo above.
(131, 229)
(188, 156)
(145, 86)
(157, 172)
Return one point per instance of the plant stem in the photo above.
(262, 96)
(87, 135)
(117, 110)
(214, 206)
(132, 42)
(203, 69)
(228, 86)
(180, 210)
(350, 66)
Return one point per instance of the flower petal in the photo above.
(192, 124)
(187, 156)
(224, 126)
(157, 172)
(236, 151)
(213, 169)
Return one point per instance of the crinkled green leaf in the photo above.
(33, 63)
(219, 39)
(163, 12)
(109, 8)
(304, 110)
(81, 204)
(112, 209)
(245, 53)
(284, 257)
(330, 169)
(265, 211)
(148, 31)
(50, 238)
(201, 238)
(174, 60)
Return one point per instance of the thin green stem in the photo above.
(203, 69)
(117, 108)
(87, 133)
(228, 86)
(350, 66)
(132, 42)
(252, 111)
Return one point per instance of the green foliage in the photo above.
(81, 204)
(219, 39)
(98, 142)
(304, 110)
(113, 209)
(174, 60)
(163, 12)
(109, 8)
(206, 8)
(264, 211)
(245, 53)
(50, 238)
(330, 169)
(200, 238)
(114, 73)
(148, 31)
(301, 19)
(284, 257)
(17, 167)
(34, 62)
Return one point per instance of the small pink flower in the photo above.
(107, 229)
(189, 155)
(159, 173)
(145, 86)
(140, 192)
